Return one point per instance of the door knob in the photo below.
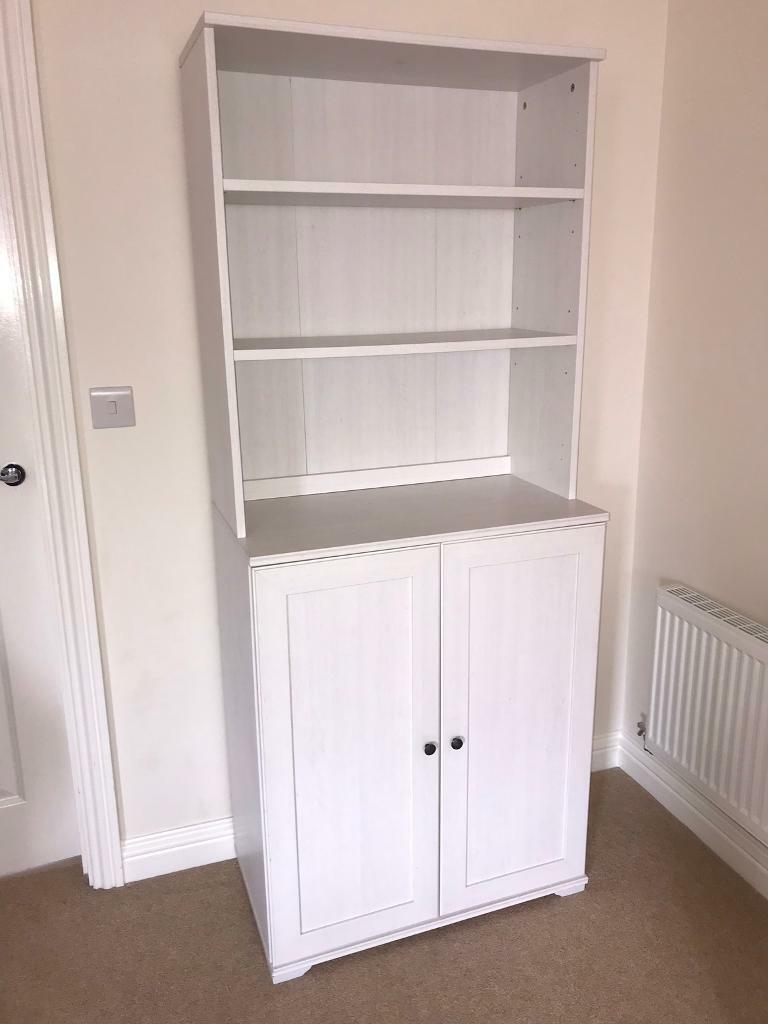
(12, 474)
(457, 742)
(430, 748)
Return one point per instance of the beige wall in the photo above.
(110, 96)
(703, 495)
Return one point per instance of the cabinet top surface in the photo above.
(317, 525)
(271, 46)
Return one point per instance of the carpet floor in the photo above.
(665, 933)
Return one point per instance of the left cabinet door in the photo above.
(348, 679)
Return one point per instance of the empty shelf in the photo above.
(394, 344)
(346, 193)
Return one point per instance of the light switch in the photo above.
(112, 407)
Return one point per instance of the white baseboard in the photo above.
(741, 851)
(178, 848)
(211, 841)
(195, 845)
(605, 751)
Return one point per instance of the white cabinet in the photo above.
(348, 660)
(520, 620)
(390, 236)
(369, 800)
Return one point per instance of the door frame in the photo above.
(35, 275)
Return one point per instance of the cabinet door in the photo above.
(348, 666)
(520, 624)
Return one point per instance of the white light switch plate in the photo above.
(112, 407)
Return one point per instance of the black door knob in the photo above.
(430, 748)
(12, 474)
(457, 742)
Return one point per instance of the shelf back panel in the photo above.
(325, 130)
(318, 416)
(312, 271)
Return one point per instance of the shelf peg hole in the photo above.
(573, 87)
(525, 104)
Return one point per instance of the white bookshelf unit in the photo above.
(390, 237)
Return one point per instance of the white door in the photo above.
(348, 663)
(520, 624)
(37, 812)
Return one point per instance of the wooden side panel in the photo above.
(520, 622)
(233, 590)
(348, 677)
(542, 383)
(206, 200)
(552, 119)
(547, 267)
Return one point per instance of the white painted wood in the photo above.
(520, 622)
(330, 347)
(339, 51)
(552, 130)
(475, 133)
(351, 797)
(51, 661)
(605, 751)
(362, 132)
(384, 198)
(585, 229)
(546, 268)
(473, 274)
(472, 405)
(237, 639)
(263, 272)
(310, 526)
(178, 849)
(369, 413)
(364, 479)
(206, 204)
(359, 193)
(270, 402)
(327, 130)
(541, 389)
(364, 270)
(281, 974)
(255, 119)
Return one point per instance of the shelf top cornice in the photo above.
(213, 19)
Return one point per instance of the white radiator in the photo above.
(709, 703)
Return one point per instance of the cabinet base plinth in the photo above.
(572, 888)
(296, 970)
(292, 971)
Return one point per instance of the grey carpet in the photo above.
(665, 932)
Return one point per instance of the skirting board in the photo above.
(740, 851)
(211, 841)
(178, 848)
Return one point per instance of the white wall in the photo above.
(703, 494)
(110, 97)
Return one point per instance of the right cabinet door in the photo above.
(519, 650)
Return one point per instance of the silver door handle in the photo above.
(12, 474)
